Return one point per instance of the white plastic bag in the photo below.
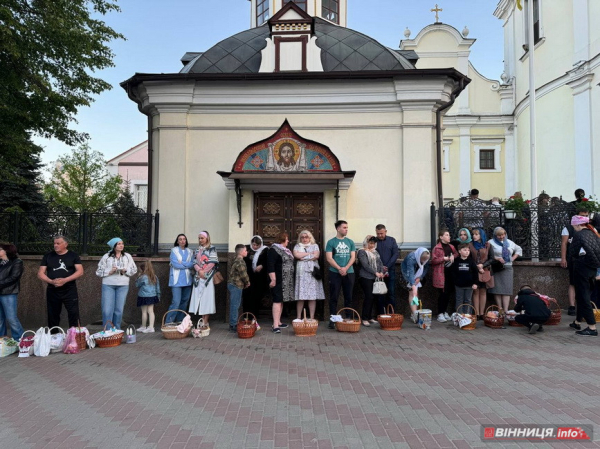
(57, 341)
(41, 342)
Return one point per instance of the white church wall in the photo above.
(555, 145)
(370, 143)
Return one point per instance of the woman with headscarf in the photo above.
(308, 288)
(414, 270)
(463, 236)
(256, 266)
(280, 266)
(505, 252)
(115, 268)
(206, 261)
(585, 253)
(483, 256)
(371, 268)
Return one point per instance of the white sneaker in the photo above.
(141, 329)
(414, 316)
(441, 318)
(149, 330)
(446, 316)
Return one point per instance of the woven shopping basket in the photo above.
(555, 313)
(511, 319)
(170, 331)
(349, 324)
(246, 326)
(109, 342)
(495, 322)
(473, 317)
(596, 311)
(390, 321)
(201, 329)
(305, 327)
(81, 337)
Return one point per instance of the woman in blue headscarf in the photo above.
(505, 251)
(482, 255)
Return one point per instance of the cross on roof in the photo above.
(437, 10)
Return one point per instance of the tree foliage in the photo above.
(81, 181)
(23, 191)
(49, 50)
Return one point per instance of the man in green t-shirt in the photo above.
(340, 253)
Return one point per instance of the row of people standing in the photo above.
(468, 272)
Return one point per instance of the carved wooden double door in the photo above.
(288, 212)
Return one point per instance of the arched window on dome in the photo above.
(331, 10)
(300, 3)
(262, 11)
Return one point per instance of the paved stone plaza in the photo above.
(409, 388)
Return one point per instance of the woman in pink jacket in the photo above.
(442, 257)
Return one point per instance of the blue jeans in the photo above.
(113, 302)
(8, 312)
(235, 300)
(181, 300)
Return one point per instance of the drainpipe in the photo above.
(149, 199)
(438, 143)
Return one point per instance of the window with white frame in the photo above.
(140, 195)
(487, 156)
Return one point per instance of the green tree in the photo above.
(49, 51)
(81, 181)
(24, 196)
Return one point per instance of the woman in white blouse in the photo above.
(505, 252)
(115, 268)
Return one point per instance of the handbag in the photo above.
(497, 266)
(379, 288)
(218, 278)
(485, 276)
(316, 273)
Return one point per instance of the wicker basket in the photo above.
(596, 310)
(170, 331)
(348, 325)
(471, 325)
(246, 326)
(109, 342)
(306, 327)
(513, 322)
(391, 321)
(493, 322)
(555, 313)
(81, 337)
(201, 329)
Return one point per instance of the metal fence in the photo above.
(536, 228)
(87, 233)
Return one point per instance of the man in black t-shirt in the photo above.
(59, 269)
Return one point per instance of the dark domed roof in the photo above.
(239, 53)
(343, 49)
(350, 51)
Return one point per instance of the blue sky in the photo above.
(159, 32)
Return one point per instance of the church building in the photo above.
(293, 124)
